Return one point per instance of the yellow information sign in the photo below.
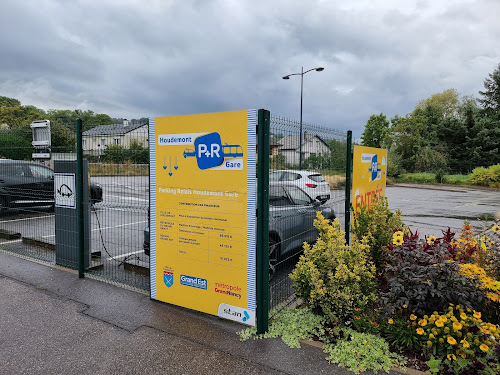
(203, 202)
(369, 171)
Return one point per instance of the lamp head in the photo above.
(286, 77)
(320, 69)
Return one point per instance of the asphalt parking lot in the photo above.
(118, 222)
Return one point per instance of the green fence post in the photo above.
(79, 197)
(348, 174)
(264, 119)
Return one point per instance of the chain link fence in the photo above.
(297, 194)
(117, 203)
(115, 208)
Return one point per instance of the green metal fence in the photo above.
(117, 227)
(116, 221)
(295, 196)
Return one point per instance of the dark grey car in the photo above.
(28, 184)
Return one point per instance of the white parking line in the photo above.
(8, 242)
(103, 228)
(125, 255)
(125, 186)
(29, 218)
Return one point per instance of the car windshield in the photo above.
(317, 178)
(41, 172)
(298, 196)
(278, 197)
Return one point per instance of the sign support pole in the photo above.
(79, 197)
(264, 119)
(348, 182)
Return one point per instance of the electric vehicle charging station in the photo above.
(66, 214)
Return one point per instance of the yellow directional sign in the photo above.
(369, 173)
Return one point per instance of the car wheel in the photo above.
(274, 250)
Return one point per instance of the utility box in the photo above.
(66, 214)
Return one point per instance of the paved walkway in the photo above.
(51, 322)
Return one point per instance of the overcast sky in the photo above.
(145, 58)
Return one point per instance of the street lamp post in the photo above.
(320, 69)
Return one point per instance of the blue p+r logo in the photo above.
(208, 150)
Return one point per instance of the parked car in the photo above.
(28, 184)
(313, 183)
(291, 215)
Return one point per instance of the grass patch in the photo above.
(430, 178)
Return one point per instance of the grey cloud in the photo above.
(154, 58)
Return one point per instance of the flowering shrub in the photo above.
(424, 277)
(377, 224)
(333, 278)
(490, 286)
(460, 337)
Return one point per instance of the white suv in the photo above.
(312, 183)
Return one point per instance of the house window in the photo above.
(116, 141)
(103, 142)
(84, 143)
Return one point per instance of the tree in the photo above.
(68, 118)
(9, 102)
(138, 154)
(407, 137)
(376, 130)
(491, 95)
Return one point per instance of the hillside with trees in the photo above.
(16, 134)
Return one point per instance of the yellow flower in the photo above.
(465, 343)
(446, 330)
(493, 328)
(431, 336)
(431, 239)
(439, 323)
(422, 322)
(356, 309)
(441, 340)
(429, 343)
(357, 317)
(484, 348)
(451, 340)
(496, 228)
(390, 321)
(457, 326)
(477, 315)
(452, 357)
(405, 306)
(420, 331)
(443, 318)
(463, 316)
(398, 234)
(397, 240)
(413, 317)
